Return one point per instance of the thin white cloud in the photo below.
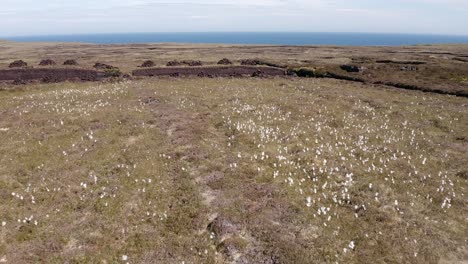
(355, 10)
(199, 17)
(202, 2)
(22, 17)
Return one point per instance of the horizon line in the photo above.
(233, 32)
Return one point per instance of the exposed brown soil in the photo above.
(70, 62)
(47, 62)
(18, 64)
(225, 61)
(148, 64)
(50, 75)
(211, 71)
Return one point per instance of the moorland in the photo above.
(310, 154)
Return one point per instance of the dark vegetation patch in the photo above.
(148, 64)
(314, 73)
(184, 62)
(409, 68)
(422, 89)
(252, 62)
(211, 71)
(192, 63)
(50, 75)
(222, 226)
(463, 174)
(232, 246)
(19, 82)
(255, 62)
(18, 64)
(460, 59)
(306, 72)
(225, 61)
(113, 72)
(103, 66)
(343, 77)
(353, 68)
(70, 62)
(259, 74)
(47, 62)
(109, 70)
(205, 75)
(174, 63)
(150, 100)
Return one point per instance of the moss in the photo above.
(113, 72)
(307, 72)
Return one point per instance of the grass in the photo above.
(96, 185)
(230, 170)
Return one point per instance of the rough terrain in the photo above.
(230, 170)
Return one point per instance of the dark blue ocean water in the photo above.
(278, 38)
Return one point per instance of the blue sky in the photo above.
(45, 17)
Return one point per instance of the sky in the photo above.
(58, 17)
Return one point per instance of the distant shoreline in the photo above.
(252, 38)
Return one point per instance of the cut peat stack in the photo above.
(148, 64)
(47, 62)
(18, 64)
(70, 63)
(51, 75)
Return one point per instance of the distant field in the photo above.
(441, 68)
(231, 170)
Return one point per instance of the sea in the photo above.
(267, 38)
